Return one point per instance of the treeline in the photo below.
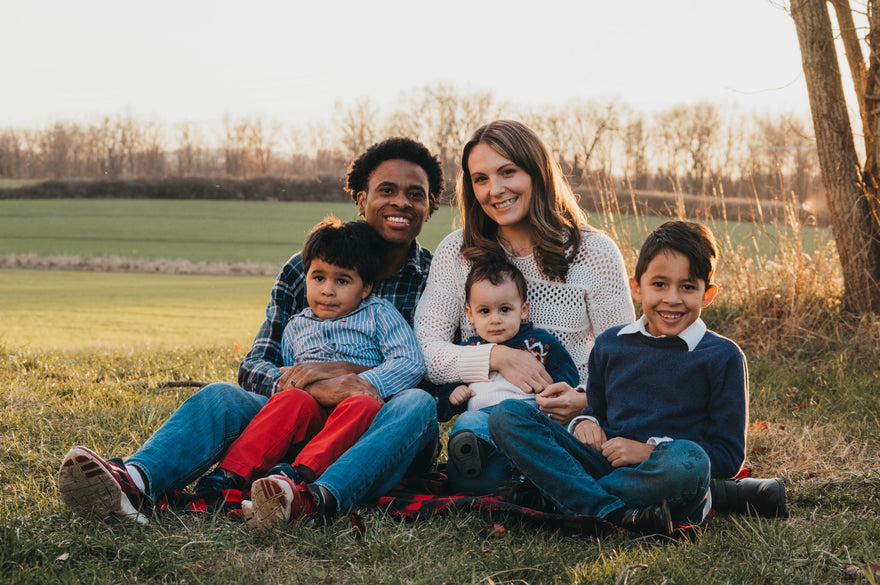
(699, 148)
(321, 188)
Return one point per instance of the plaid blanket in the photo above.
(413, 499)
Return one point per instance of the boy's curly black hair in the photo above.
(354, 245)
(402, 148)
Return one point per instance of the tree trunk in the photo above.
(853, 209)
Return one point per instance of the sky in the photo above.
(293, 61)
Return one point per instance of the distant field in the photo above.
(77, 310)
(258, 232)
(199, 231)
(87, 310)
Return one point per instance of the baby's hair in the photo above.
(496, 271)
(396, 148)
(354, 245)
(694, 240)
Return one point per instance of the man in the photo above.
(396, 185)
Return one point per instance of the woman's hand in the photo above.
(561, 402)
(520, 368)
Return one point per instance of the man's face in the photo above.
(396, 201)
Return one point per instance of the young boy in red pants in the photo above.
(342, 323)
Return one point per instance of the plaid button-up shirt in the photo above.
(260, 369)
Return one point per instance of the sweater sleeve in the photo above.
(596, 401)
(725, 438)
(560, 366)
(441, 313)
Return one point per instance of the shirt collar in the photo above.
(691, 336)
(309, 314)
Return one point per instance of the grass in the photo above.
(67, 310)
(814, 422)
(822, 436)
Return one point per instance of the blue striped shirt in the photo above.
(260, 369)
(374, 334)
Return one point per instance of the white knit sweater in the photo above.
(594, 297)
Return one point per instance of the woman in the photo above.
(516, 203)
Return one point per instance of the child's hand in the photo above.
(619, 451)
(590, 434)
(460, 395)
(561, 402)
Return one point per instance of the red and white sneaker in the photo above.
(278, 500)
(95, 488)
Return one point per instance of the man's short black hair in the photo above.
(401, 148)
(354, 245)
(694, 240)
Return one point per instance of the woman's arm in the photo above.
(441, 314)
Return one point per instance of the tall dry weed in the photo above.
(778, 293)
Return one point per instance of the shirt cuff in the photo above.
(473, 363)
(578, 419)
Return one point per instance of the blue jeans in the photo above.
(194, 438)
(404, 431)
(579, 480)
(497, 469)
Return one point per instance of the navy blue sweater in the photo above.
(546, 349)
(640, 387)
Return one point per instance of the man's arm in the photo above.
(332, 391)
(260, 370)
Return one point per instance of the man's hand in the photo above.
(301, 375)
(460, 395)
(520, 368)
(590, 434)
(332, 391)
(619, 451)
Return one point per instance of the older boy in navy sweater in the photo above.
(667, 403)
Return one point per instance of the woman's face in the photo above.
(502, 189)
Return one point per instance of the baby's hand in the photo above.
(460, 395)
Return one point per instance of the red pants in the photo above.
(292, 419)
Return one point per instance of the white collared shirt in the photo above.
(691, 336)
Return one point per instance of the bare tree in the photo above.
(688, 134)
(851, 188)
(443, 118)
(358, 125)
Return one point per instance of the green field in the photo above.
(84, 310)
(64, 310)
(253, 231)
(200, 231)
